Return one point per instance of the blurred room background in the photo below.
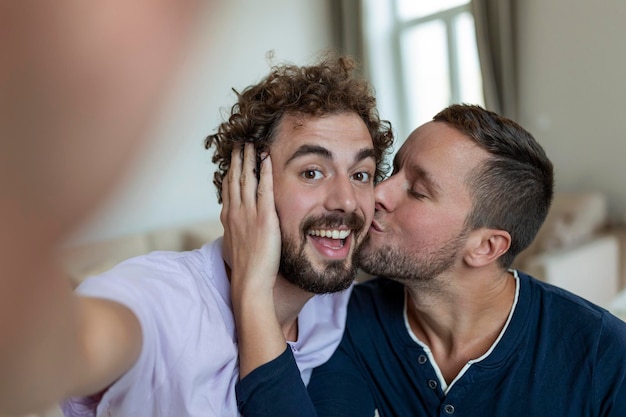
(555, 66)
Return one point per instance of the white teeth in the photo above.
(332, 234)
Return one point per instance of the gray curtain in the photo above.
(347, 18)
(495, 36)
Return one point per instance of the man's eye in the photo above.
(362, 176)
(416, 195)
(312, 174)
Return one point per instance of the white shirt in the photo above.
(188, 365)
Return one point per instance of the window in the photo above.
(422, 57)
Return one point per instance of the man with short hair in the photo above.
(448, 329)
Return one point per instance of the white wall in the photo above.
(171, 183)
(572, 71)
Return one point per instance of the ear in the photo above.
(485, 246)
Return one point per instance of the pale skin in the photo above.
(81, 82)
(422, 206)
(424, 203)
(296, 179)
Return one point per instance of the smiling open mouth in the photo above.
(333, 237)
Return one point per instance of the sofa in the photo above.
(577, 249)
(81, 261)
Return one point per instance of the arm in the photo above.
(336, 389)
(252, 249)
(274, 389)
(270, 382)
(98, 342)
(80, 82)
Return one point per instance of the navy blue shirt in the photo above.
(559, 356)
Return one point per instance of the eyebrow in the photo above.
(416, 172)
(420, 174)
(310, 149)
(327, 154)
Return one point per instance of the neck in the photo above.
(461, 318)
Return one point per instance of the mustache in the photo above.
(334, 220)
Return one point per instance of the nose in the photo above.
(385, 194)
(341, 195)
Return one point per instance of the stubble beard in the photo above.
(333, 276)
(409, 267)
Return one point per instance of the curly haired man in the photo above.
(160, 330)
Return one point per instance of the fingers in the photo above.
(226, 185)
(248, 181)
(265, 191)
(240, 184)
(225, 193)
(234, 175)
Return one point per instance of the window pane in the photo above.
(426, 71)
(411, 9)
(469, 71)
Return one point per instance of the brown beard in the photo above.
(405, 267)
(336, 275)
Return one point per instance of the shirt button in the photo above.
(421, 359)
(432, 384)
(449, 409)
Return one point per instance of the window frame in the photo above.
(384, 26)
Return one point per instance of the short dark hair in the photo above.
(513, 190)
(330, 87)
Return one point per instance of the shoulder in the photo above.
(380, 293)
(168, 292)
(325, 314)
(570, 311)
(376, 306)
(152, 273)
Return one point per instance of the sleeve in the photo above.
(338, 388)
(274, 389)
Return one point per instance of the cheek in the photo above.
(429, 229)
(293, 204)
(366, 203)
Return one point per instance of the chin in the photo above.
(331, 277)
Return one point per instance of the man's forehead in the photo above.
(404, 154)
(333, 132)
(292, 121)
(409, 161)
(439, 154)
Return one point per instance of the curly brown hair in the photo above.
(330, 87)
